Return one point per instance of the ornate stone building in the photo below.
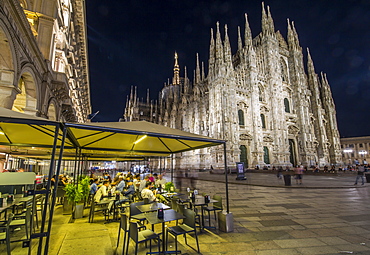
(43, 58)
(355, 150)
(260, 99)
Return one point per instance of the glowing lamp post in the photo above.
(348, 151)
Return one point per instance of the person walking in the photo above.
(298, 174)
(360, 174)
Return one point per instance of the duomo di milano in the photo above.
(43, 59)
(260, 99)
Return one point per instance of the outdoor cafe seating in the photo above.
(179, 219)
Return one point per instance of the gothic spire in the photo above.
(270, 21)
(265, 26)
(202, 71)
(186, 81)
(135, 96)
(211, 61)
(240, 44)
(176, 71)
(293, 40)
(310, 66)
(197, 71)
(147, 97)
(247, 33)
(219, 47)
(227, 48)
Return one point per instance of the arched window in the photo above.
(243, 155)
(241, 117)
(286, 105)
(266, 156)
(284, 71)
(263, 121)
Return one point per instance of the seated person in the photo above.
(121, 184)
(94, 186)
(102, 192)
(160, 181)
(151, 195)
(129, 192)
(143, 183)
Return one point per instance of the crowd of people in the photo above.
(125, 186)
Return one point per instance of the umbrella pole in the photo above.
(226, 181)
(50, 191)
(172, 168)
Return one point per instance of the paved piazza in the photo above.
(267, 220)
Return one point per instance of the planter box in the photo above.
(79, 211)
(225, 221)
(67, 206)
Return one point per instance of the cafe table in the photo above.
(13, 205)
(152, 207)
(200, 201)
(168, 215)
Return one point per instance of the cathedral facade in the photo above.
(43, 59)
(261, 100)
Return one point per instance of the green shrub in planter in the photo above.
(78, 193)
(168, 186)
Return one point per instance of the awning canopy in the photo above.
(19, 129)
(135, 138)
(23, 134)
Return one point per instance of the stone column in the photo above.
(8, 92)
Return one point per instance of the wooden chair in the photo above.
(186, 227)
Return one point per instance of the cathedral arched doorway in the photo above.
(266, 156)
(26, 100)
(243, 155)
(292, 152)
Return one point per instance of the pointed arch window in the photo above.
(241, 117)
(284, 71)
(266, 156)
(263, 120)
(286, 105)
(243, 154)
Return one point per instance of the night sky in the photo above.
(132, 43)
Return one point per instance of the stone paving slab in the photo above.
(267, 220)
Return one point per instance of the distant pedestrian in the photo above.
(360, 174)
(280, 172)
(298, 174)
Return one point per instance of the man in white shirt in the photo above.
(147, 193)
(143, 183)
(160, 181)
(102, 191)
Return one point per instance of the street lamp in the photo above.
(348, 151)
(363, 153)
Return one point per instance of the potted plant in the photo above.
(169, 187)
(77, 195)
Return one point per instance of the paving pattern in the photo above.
(267, 220)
